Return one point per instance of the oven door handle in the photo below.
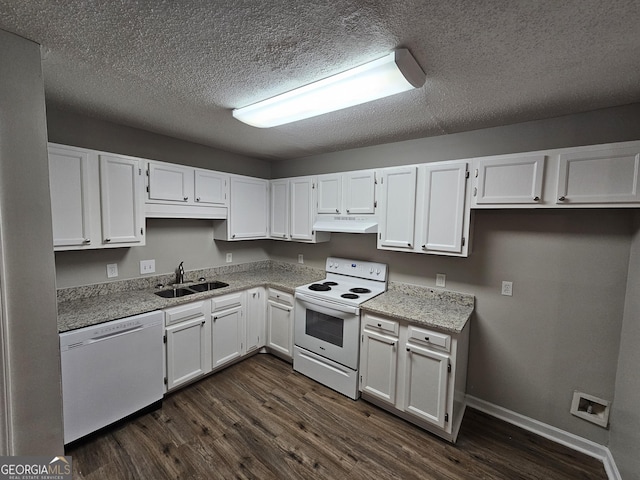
(327, 306)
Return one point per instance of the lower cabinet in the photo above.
(188, 345)
(416, 372)
(227, 325)
(280, 323)
(255, 319)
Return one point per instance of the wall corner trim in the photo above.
(550, 432)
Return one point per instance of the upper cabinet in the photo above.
(350, 193)
(96, 199)
(293, 210)
(396, 226)
(603, 175)
(178, 191)
(248, 217)
(508, 180)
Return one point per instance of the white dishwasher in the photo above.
(110, 371)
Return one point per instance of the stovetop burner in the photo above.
(330, 284)
(319, 287)
(350, 296)
(359, 290)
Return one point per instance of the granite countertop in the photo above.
(442, 309)
(85, 306)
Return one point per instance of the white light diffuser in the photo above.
(394, 73)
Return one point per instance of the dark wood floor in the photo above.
(259, 419)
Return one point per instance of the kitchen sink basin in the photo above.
(204, 287)
(191, 289)
(174, 293)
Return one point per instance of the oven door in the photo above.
(329, 329)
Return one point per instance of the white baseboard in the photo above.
(554, 434)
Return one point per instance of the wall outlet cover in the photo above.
(229, 257)
(300, 258)
(507, 288)
(441, 279)
(147, 266)
(112, 270)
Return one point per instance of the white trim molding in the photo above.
(549, 432)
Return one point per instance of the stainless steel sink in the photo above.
(204, 287)
(191, 289)
(174, 292)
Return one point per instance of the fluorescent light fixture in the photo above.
(394, 73)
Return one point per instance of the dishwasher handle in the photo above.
(107, 336)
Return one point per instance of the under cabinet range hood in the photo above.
(346, 224)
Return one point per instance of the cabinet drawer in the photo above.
(430, 338)
(280, 297)
(226, 301)
(183, 312)
(381, 324)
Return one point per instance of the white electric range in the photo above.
(327, 322)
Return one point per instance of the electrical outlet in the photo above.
(147, 266)
(229, 257)
(300, 258)
(441, 279)
(507, 288)
(112, 270)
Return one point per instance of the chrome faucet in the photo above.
(180, 273)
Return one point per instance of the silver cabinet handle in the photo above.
(562, 198)
(424, 247)
(426, 339)
(186, 198)
(107, 240)
(198, 199)
(348, 211)
(337, 211)
(202, 323)
(379, 325)
(233, 236)
(409, 244)
(87, 240)
(536, 198)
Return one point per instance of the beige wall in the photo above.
(169, 242)
(31, 353)
(625, 415)
(82, 131)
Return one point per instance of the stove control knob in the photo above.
(378, 271)
(371, 270)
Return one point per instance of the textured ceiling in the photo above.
(179, 67)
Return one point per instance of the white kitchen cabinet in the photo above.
(210, 187)
(349, 193)
(227, 328)
(96, 199)
(255, 319)
(188, 344)
(398, 208)
(178, 191)
(70, 196)
(416, 372)
(248, 210)
(599, 175)
(293, 210)
(508, 180)
(359, 192)
(443, 209)
(279, 215)
(379, 358)
(280, 323)
(121, 193)
(330, 193)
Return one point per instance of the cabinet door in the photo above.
(186, 352)
(601, 176)
(280, 328)
(249, 208)
(168, 182)
(444, 207)
(330, 193)
(279, 218)
(426, 379)
(228, 332)
(359, 191)
(397, 218)
(255, 319)
(509, 180)
(378, 364)
(210, 187)
(121, 200)
(70, 203)
(302, 208)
